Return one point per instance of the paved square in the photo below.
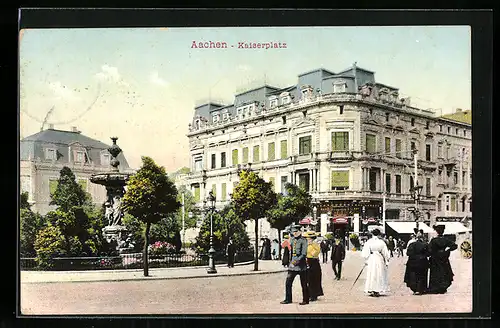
(249, 294)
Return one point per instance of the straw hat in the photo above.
(309, 234)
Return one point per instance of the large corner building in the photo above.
(345, 138)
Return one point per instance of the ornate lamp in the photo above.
(211, 264)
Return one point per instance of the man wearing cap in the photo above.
(297, 266)
(314, 273)
(441, 274)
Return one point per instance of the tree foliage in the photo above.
(150, 197)
(294, 205)
(252, 199)
(226, 224)
(150, 194)
(29, 225)
(23, 201)
(291, 206)
(68, 192)
(189, 207)
(49, 243)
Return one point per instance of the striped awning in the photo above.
(340, 220)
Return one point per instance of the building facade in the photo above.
(44, 154)
(345, 138)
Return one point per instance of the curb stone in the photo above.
(141, 278)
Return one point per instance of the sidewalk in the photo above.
(33, 277)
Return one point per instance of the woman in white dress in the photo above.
(377, 256)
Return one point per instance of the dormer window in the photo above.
(273, 102)
(225, 116)
(339, 87)
(51, 154)
(105, 159)
(80, 156)
(215, 118)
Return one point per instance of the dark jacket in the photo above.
(298, 254)
(338, 251)
(325, 246)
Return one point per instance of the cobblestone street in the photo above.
(247, 294)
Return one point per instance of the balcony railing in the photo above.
(205, 124)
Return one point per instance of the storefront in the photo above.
(341, 214)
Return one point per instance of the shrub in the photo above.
(161, 248)
(49, 243)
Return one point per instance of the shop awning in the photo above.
(451, 228)
(340, 220)
(408, 226)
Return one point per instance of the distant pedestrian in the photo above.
(441, 274)
(325, 247)
(275, 249)
(391, 246)
(297, 266)
(417, 266)
(314, 274)
(285, 260)
(230, 252)
(377, 257)
(337, 256)
(401, 246)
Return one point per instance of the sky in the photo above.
(141, 85)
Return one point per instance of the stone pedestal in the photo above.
(118, 234)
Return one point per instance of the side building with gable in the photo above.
(44, 154)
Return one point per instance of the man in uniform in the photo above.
(297, 266)
(338, 255)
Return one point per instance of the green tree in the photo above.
(252, 198)
(23, 201)
(150, 197)
(136, 229)
(291, 206)
(68, 192)
(49, 243)
(226, 224)
(167, 230)
(189, 207)
(29, 225)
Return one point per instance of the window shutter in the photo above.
(453, 202)
(197, 193)
(256, 154)
(284, 149)
(370, 143)
(271, 151)
(214, 190)
(223, 195)
(387, 145)
(53, 186)
(398, 147)
(245, 155)
(235, 157)
(271, 181)
(340, 179)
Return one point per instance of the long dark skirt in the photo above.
(416, 275)
(314, 277)
(441, 274)
(286, 257)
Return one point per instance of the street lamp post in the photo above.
(211, 251)
(315, 211)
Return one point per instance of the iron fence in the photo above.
(132, 261)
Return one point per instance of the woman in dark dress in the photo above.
(417, 266)
(441, 274)
(267, 249)
(314, 274)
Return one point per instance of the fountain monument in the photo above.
(114, 181)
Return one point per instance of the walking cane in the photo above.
(359, 275)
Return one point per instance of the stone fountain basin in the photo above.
(110, 179)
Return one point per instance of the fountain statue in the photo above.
(114, 181)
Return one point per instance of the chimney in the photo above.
(51, 126)
(74, 129)
(458, 110)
